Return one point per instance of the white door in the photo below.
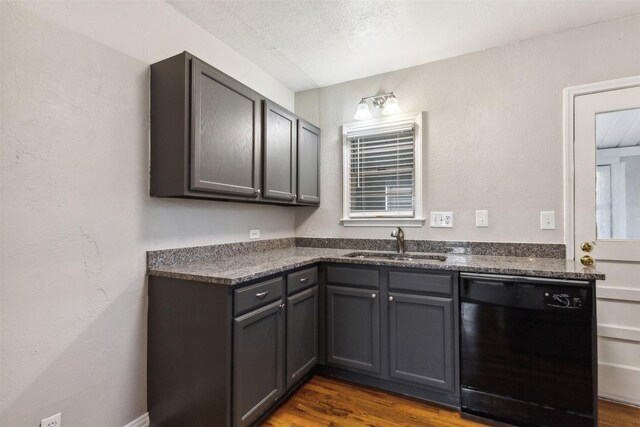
(607, 228)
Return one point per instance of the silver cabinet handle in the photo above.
(373, 295)
(261, 295)
(256, 193)
(304, 279)
(390, 298)
(282, 306)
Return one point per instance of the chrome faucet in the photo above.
(399, 235)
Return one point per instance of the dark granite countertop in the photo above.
(237, 268)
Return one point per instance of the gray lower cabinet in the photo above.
(302, 334)
(393, 328)
(421, 340)
(220, 355)
(258, 362)
(224, 355)
(353, 328)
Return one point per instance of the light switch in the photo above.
(547, 220)
(482, 218)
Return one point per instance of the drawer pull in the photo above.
(304, 279)
(261, 295)
(373, 295)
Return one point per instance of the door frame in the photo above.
(569, 95)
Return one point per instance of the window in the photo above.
(382, 172)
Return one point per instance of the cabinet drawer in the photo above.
(433, 283)
(358, 277)
(254, 296)
(301, 280)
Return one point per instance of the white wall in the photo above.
(494, 131)
(76, 214)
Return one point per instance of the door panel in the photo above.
(258, 368)
(353, 328)
(308, 163)
(279, 153)
(593, 137)
(617, 312)
(302, 334)
(621, 274)
(421, 340)
(607, 216)
(225, 134)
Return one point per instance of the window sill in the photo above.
(382, 222)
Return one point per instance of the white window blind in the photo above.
(381, 172)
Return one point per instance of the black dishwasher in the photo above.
(527, 350)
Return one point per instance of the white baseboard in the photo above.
(624, 400)
(141, 421)
(620, 383)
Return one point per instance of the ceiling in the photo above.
(313, 43)
(618, 129)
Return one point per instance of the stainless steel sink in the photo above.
(396, 257)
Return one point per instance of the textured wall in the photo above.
(76, 214)
(494, 131)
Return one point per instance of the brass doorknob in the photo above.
(586, 246)
(587, 260)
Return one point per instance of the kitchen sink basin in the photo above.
(397, 257)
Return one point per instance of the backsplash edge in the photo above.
(534, 250)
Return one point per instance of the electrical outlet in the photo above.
(547, 220)
(442, 219)
(254, 233)
(482, 218)
(52, 421)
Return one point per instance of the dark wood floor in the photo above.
(329, 402)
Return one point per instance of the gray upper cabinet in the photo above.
(353, 328)
(421, 340)
(214, 138)
(279, 145)
(308, 163)
(302, 334)
(258, 362)
(225, 130)
(206, 132)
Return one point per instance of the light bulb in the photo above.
(363, 113)
(391, 106)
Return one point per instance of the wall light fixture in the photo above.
(385, 101)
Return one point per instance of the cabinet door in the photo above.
(225, 134)
(308, 163)
(279, 146)
(421, 340)
(353, 328)
(302, 334)
(258, 362)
